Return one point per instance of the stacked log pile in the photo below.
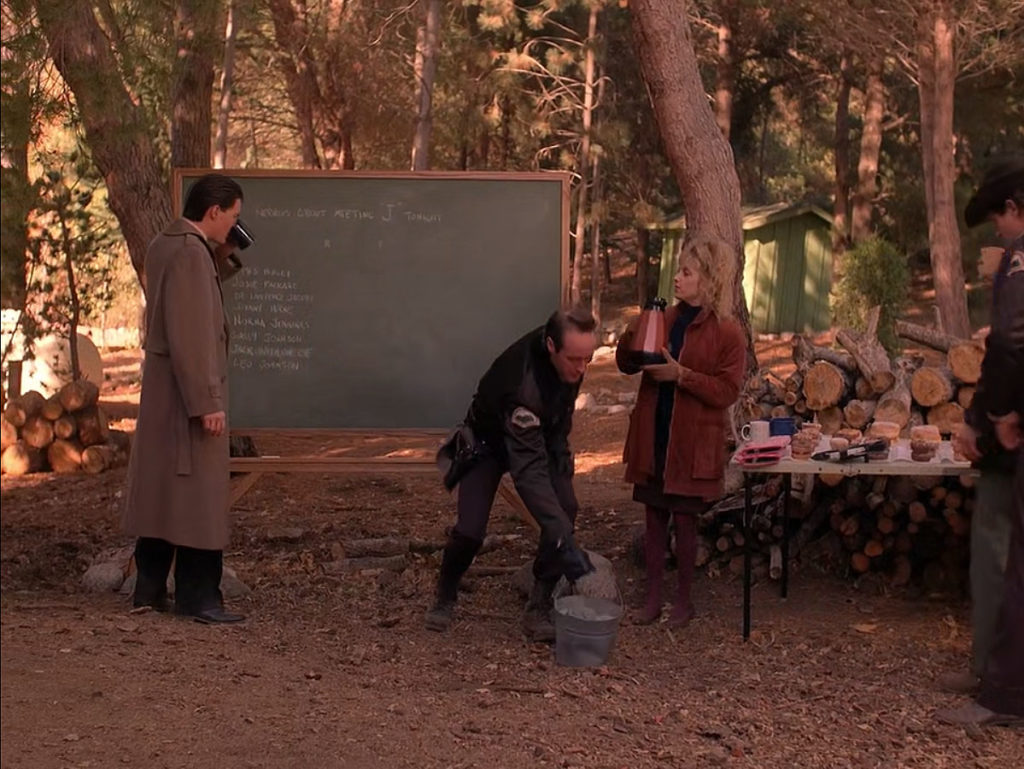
(66, 433)
(911, 529)
(850, 388)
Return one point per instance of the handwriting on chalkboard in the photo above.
(270, 322)
(388, 212)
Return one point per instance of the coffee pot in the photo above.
(649, 339)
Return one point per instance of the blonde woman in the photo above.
(675, 449)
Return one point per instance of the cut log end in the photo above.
(99, 458)
(964, 359)
(78, 395)
(946, 416)
(824, 385)
(65, 456)
(21, 459)
(931, 386)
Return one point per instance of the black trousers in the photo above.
(1002, 683)
(476, 498)
(197, 574)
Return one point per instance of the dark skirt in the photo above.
(653, 494)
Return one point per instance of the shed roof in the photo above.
(758, 216)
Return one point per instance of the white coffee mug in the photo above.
(755, 431)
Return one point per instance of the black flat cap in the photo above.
(1003, 178)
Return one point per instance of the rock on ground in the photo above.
(103, 577)
(230, 585)
(600, 584)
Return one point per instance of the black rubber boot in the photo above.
(537, 622)
(458, 555)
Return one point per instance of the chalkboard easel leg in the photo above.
(241, 484)
(513, 499)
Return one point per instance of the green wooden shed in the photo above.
(788, 267)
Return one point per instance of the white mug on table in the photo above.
(756, 431)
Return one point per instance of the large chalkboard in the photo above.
(376, 301)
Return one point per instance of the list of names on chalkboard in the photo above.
(270, 317)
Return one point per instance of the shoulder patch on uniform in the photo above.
(524, 419)
(1016, 263)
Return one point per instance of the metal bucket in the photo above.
(585, 630)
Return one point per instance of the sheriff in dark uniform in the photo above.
(519, 422)
(1000, 199)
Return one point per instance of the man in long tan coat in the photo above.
(178, 478)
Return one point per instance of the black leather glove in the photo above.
(574, 560)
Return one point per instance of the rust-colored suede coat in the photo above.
(714, 351)
(178, 476)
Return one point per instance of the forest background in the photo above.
(884, 112)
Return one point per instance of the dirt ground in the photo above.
(337, 670)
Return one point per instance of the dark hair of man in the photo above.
(210, 190)
(578, 318)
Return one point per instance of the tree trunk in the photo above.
(116, 130)
(926, 99)
(192, 83)
(725, 69)
(595, 242)
(589, 69)
(15, 189)
(76, 305)
(227, 82)
(428, 38)
(944, 233)
(707, 179)
(870, 149)
(300, 77)
(840, 236)
(643, 237)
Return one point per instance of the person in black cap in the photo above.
(998, 404)
(976, 439)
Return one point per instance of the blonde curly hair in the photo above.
(715, 261)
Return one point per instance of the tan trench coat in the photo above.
(178, 476)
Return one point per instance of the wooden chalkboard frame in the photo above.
(179, 175)
(250, 469)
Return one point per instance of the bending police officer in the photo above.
(519, 422)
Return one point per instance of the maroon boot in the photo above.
(655, 542)
(686, 558)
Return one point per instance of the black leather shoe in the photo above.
(214, 616)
